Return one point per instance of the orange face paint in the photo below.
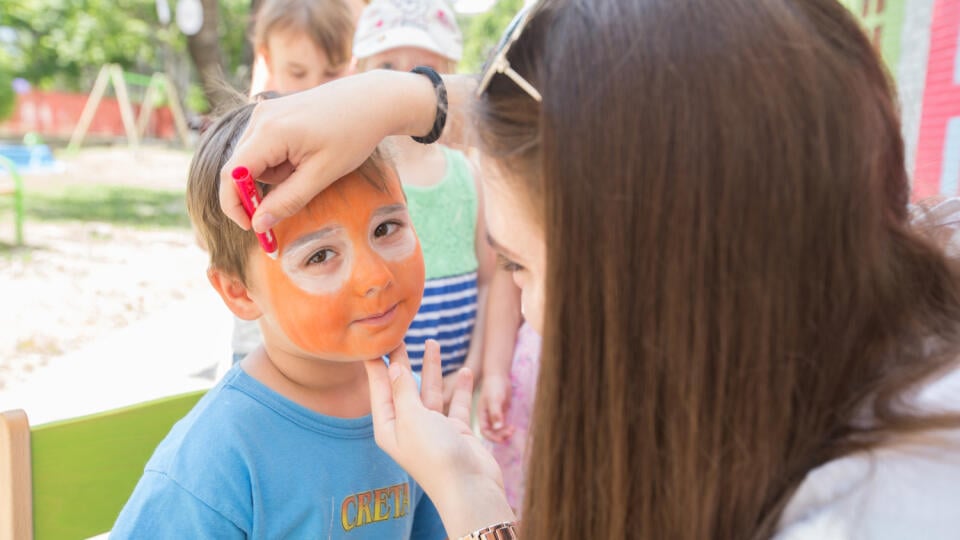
(349, 278)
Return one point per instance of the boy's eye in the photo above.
(321, 256)
(507, 264)
(385, 229)
(386, 65)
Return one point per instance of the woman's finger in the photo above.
(292, 194)
(399, 356)
(406, 396)
(230, 203)
(431, 377)
(460, 403)
(277, 173)
(381, 404)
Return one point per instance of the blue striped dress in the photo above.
(445, 218)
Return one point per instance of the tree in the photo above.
(7, 97)
(62, 44)
(204, 47)
(481, 33)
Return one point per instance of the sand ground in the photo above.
(96, 315)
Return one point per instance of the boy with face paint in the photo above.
(283, 446)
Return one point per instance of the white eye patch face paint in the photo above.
(319, 262)
(391, 234)
(322, 262)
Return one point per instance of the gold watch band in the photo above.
(501, 531)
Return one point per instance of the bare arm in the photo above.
(486, 268)
(500, 337)
(299, 141)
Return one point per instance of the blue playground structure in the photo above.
(18, 159)
(30, 158)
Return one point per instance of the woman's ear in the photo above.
(234, 294)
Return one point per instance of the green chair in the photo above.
(69, 479)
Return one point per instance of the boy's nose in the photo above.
(371, 274)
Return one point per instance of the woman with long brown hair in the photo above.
(706, 206)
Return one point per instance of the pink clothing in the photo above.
(511, 454)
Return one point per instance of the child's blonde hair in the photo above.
(329, 23)
(228, 245)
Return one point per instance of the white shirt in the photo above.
(908, 489)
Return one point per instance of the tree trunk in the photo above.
(204, 47)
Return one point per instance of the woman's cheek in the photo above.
(531, 306)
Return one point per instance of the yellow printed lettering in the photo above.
(397, 500)
(381, 508)
(374, 506)
(345, 512)
(364, 508)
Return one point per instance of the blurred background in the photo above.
(101, 282)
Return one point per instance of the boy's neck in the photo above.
(331, 388)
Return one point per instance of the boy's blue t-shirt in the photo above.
(248, 463)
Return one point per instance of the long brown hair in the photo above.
(735, 292)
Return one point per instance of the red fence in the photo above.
(56, 114)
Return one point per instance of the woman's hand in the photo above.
(440, 452)
(306, 141)
(494, 404)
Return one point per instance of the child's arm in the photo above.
(500, 338)
(486, 266)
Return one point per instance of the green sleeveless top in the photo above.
(445, 217)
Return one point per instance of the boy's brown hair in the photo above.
(329, 23)
(229, 245)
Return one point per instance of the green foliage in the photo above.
(119, 205)
(195, 99)
(63, 43)
(7, 98)
(482, 32)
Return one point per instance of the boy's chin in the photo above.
(368, 350)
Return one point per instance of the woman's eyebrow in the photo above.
(497, 246)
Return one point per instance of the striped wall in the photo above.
(919, 40)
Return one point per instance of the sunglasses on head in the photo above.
(498, 62)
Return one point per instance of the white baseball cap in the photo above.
(425, 24)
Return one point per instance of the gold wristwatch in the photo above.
(500, 531)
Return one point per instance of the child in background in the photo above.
(300, 44)
(283, 446)
(441, 190)
(511, 363)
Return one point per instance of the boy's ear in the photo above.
(234, 294)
